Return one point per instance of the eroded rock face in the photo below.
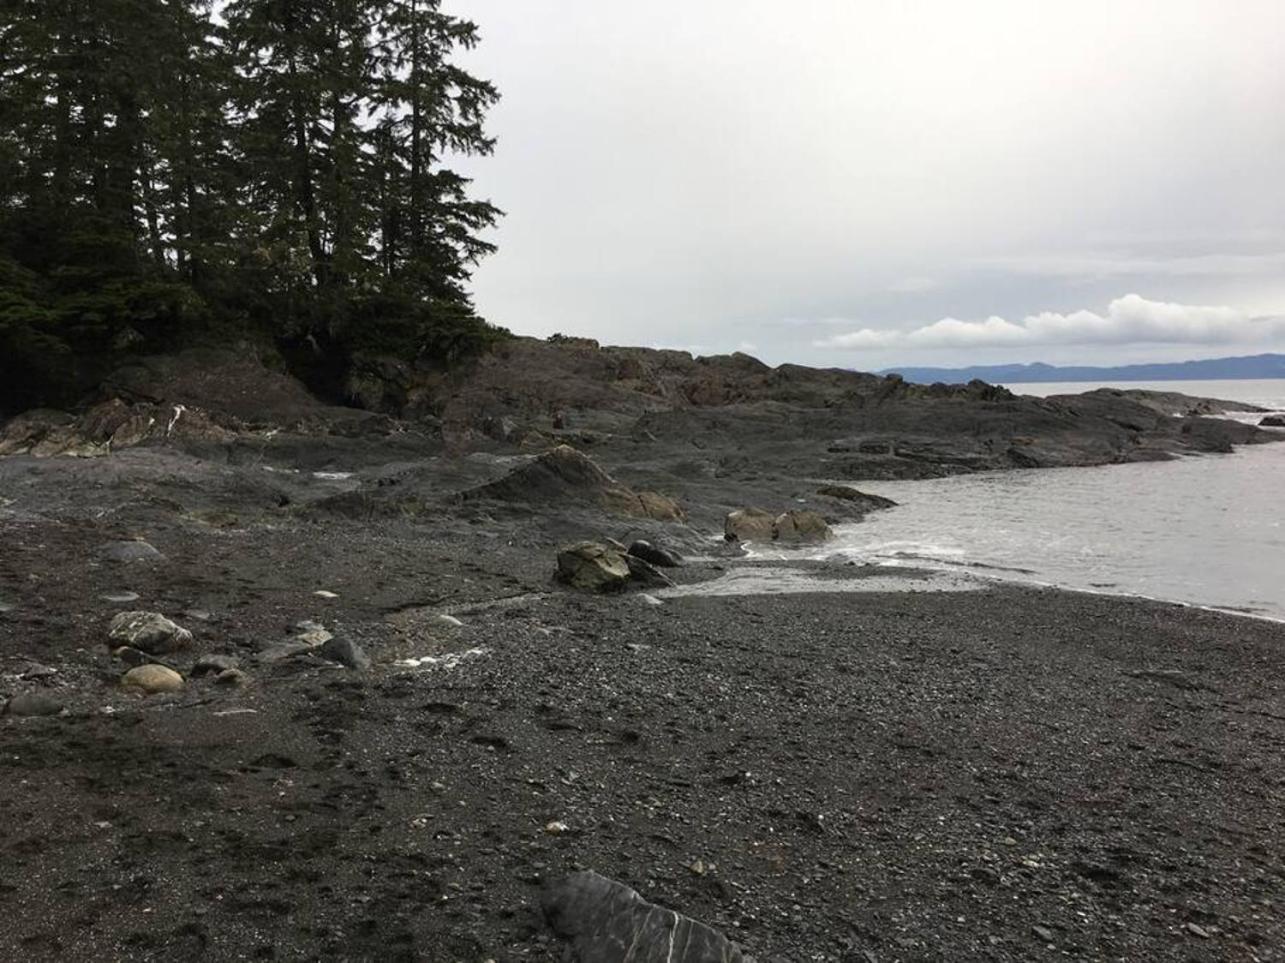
(148, 632)
(593, 565)
(607, 922)
(749, 525)
(800, 526)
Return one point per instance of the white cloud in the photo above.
(1131, 319)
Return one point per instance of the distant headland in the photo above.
(1210, 369)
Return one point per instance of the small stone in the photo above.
(1195, 929)
(120, 598)
(201, 615)
(213, 664)
(345, 652)
(34, 704)
(1043, 933)
(450, 620)
(698, 867)
(322, 593)
(651, 599)
(231, 677)
(316, 637)
(1009, 841)
(284, 650)
(555, 828)
(149, 632)
(134, 550)
(37, 671)
(153, 678)
(307, 625)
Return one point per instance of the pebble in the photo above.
(322, 593)
(134, 550)
(37, 671)
(316, 637)
(150, 632)
(1195, 929)
(34, 704)
(1043, 933)
(555, 828)
(119, 597)
(152, 678)
(450, 620)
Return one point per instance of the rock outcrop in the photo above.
(565, 475)
(863, 501)
(1272, 421)
(607, 922)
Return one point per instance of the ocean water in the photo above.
(1207, 530)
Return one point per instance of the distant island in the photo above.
(1210, 369)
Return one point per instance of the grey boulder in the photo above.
(593, 565)
(148, 632)
(345, 652)
(607, 922)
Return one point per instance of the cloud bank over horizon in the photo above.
(1131, 319)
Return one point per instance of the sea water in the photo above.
(1203, 529)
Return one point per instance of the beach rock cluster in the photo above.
(759, 525)
(607, 566)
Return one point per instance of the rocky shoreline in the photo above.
(394, 734)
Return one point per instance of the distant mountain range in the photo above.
(1212, 369)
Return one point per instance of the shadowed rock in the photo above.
(607, 922)
(655, 555)
(1272, 421)
(566, 475)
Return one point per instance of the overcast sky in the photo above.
(865, 183)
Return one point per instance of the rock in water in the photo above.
(152, 678)
(1272, 421)
(592, 565)
(135, 550)
(345, 652)
(749, 525)
(800, 526)
(663, 558)
(34, 704)
(863, 500)
(148, 632)
(607, 922)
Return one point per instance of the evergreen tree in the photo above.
(161, 172)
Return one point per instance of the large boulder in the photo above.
(800, 526)
(749, 525)
(607, 922)
(593, 565)
(148, 632)
(565, 475)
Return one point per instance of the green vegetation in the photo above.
(169, 176)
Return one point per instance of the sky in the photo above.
(863, 184)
